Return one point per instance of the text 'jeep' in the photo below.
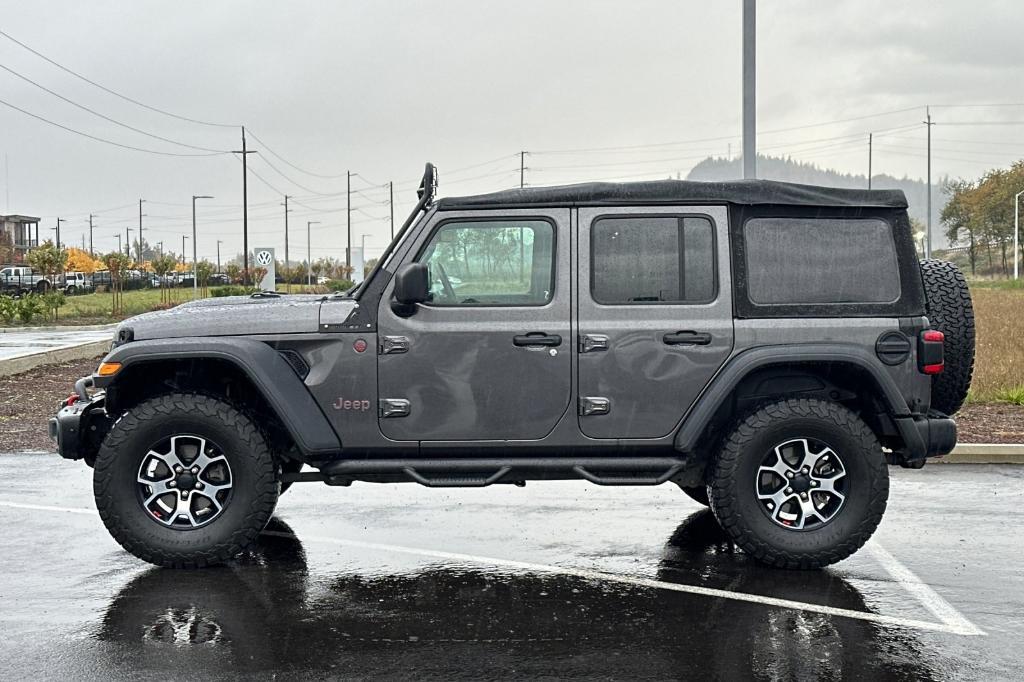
(769, 348)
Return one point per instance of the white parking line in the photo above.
(923, 592)
(952, 621)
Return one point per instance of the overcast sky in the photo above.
(380, 87)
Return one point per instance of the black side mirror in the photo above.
(412, 286)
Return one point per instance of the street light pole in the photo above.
(348, 211)
(140, 229)
(91, 253)
(928, 242)
(749, 90)
(183, 238)
(287, 274)
(128, 241)
(195, 268)
(1016, 234)
(59, 221)
(218, 256)
(309, 253)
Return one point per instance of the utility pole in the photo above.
(287, 276)
(749, 90)
(91, 254)
(119, 242)
(348, 210)
(522, 170)
(309, 252)
(218, 256)
(928, 241)
(1016, 234)
(391, 205)
(140, 229)
(870, 149)
(183, 238)
(245, 209)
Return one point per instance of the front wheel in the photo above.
(185, 480)
(800, 483)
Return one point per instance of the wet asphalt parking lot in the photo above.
(557, 580)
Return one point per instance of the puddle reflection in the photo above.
(267, 614)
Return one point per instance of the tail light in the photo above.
(930, 355)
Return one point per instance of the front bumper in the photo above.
(75, 427)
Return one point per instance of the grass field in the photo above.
(999, 363)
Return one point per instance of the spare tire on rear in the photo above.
(949, 309)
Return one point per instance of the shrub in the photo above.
(8, 309)
(232, 290)
(340, 284)
(29, 307)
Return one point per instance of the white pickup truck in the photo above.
(16, 279)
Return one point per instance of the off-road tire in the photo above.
(734, 471)
(949, 309)
(698, 493)
(254, 478)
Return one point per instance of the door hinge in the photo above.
(392, 407)
(594, 405)
(590, 343)
(390, 345)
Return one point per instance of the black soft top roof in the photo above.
(745, 192)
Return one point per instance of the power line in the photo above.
(112, 92)
(103, 116)
(104, 140)
(286, 161)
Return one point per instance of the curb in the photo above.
(49, 357)
(983, 453)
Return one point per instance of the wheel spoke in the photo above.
(811, 459)
(205, 461)
(807, 510)
(828, 485)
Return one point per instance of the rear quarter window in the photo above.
(820, 261)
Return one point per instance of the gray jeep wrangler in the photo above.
(769, 348)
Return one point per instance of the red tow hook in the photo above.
(72, 399)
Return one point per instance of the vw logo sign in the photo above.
(263, 258)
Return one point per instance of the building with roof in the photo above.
(21, 232)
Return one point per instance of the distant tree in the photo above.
(204, 269)
(48, 259)
(161, 266)
(6, 248)
(117, 264)
(80, 261)
(234, 272)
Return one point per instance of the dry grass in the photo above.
(999, 363)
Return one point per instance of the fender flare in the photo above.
(741, 365)
(271, 374)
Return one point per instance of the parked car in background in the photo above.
(75, 282)
(18, 279)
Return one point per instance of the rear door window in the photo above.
(652, 259)
(820, 261)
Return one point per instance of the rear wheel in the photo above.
(800, 483)
(185, 480)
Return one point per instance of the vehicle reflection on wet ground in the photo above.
(392, 581)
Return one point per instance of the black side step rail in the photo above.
(478, 472)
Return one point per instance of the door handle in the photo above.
(687, 339)
(537, 339)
